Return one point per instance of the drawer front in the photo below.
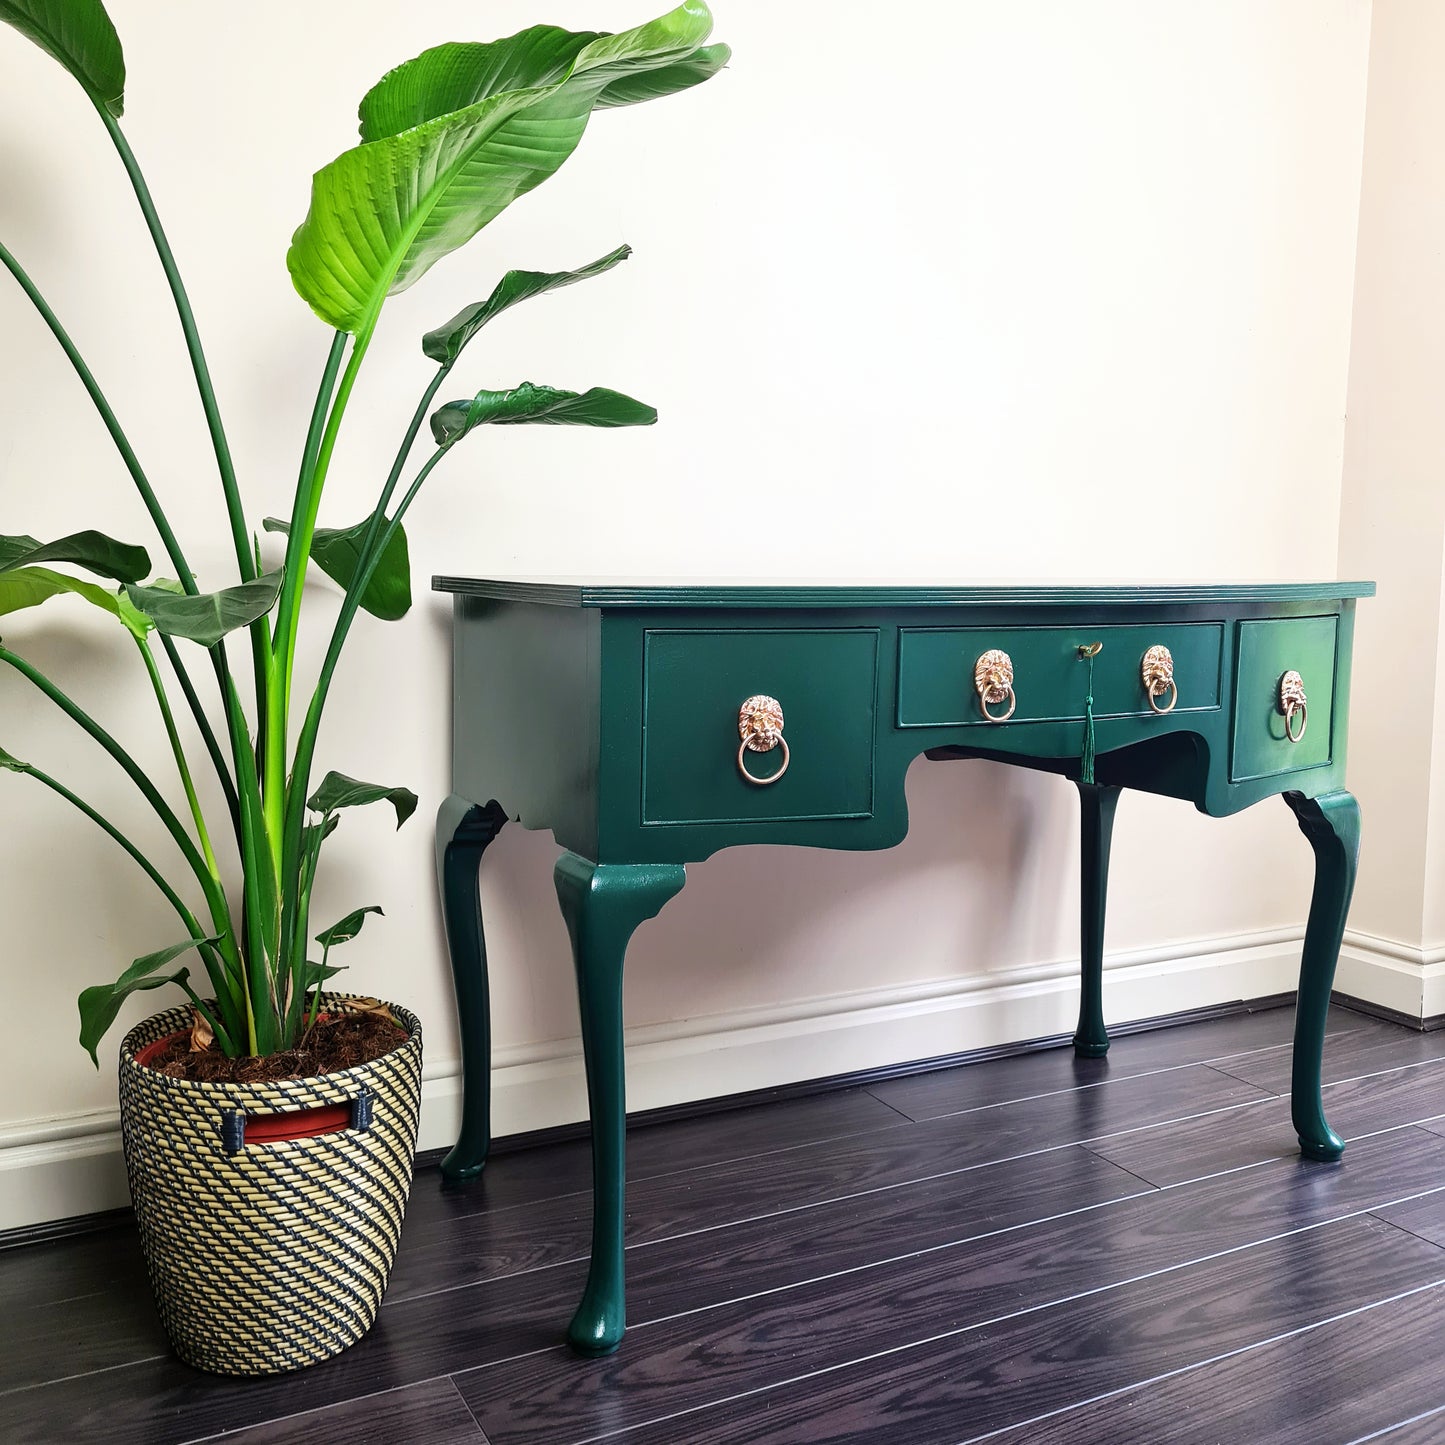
(936, 685)
(694, 682)
(1267, 650)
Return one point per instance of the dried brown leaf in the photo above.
(202, 1036)
(370, 1006)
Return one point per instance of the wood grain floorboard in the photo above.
(1218, 1041)
(739, 1347)
(74, 1306)
(61, 1269)
(1425, 1217)
(1348, 1055)
(427, 1414)
(508, 1240)
(438, 1334)
(1260, 1131)
(976, 1379)
(1324, 1385)
(905, 1230)
(525, 1176)
(1427, 1429)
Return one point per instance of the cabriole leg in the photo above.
(1332, 824)
(603, 903)
(463, 834)
(1097, 804)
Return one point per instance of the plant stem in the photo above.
(207, 732)
(303, 528)
(378, 516)
(138, 476)
(306, 742)
(261, 883)
(277, 699)
(182, 767)
(193, 345)
(149, 868)
(221, 980)
(122, 443)
(260, 637)
(215, 896)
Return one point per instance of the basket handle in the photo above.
(357, 1115)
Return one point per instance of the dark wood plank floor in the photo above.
(1034, 1249)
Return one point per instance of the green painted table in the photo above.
(649, 725)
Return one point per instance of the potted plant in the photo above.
(269, 1194)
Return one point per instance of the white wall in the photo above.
(1393, 513)
(1014, 290)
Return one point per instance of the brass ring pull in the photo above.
(993, 676)
(760, 725)
(1157, 673)
(1293, 704)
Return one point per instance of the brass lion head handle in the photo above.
(760, 725)
(993, 676)
(1293, 705)
(1157, 674)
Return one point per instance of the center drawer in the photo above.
(936, 671)
(694, 682)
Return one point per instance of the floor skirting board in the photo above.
(58, 1169)
(1407, 982)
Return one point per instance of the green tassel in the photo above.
(1086, 761)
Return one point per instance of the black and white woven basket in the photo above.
(268, 1256)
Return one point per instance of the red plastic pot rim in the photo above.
(271, 1127)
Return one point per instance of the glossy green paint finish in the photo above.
(935, 671)
(694, 680)
(1267, 650)
(463, 834)
(1096, 829)
(584, 592)
(608, 714)
(525, 698)
(603, 904)
(1332, 825)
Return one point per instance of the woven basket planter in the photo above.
(267, 1256)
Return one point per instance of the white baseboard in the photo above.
(1395, 975)
(59, 1168)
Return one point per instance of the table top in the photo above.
(604, 591)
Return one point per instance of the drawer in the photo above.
(1267, 650)
(694, 682)
(936, 686)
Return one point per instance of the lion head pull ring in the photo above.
(760, 725)
(1157, 674)
(993, 676)
(1293, 705)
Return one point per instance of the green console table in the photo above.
(651, 725)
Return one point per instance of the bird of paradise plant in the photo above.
(448, 141)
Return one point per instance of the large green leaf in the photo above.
(208, 617)
(347, 928)
(452, 77)
(92, 550)
(436, 165)
(337, 551)
(12, 764)
(446, 342)
(78, 34)
(100, 1005)
(339, 791)
(30, 586)
(691, 70)
(541, 404)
